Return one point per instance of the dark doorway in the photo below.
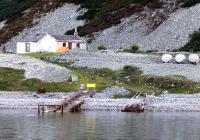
(78, 45)
(64, 44)
(70, 45)
(27, 45)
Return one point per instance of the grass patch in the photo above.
(171, 84)
(129, 77)
(39, 55)
(132, 78)
(101, 47)
(13, 80)
(132, 49)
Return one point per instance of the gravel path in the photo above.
(149, 64)
(56, 22)
(35, 68)
(172, 34)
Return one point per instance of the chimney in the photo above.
(76, 32)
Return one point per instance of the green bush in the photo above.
(189, 3)
(193, 45)
(132, 49)
(131, 70)
(101, 47)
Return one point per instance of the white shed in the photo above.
(49, 43)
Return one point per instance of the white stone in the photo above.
(193, 58)
(166, 58)
(180, 58)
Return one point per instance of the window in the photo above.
(27, 47)
(70, 45)
(78, 45)
(64, 44)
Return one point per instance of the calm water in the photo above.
(23, 125)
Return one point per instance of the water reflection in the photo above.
(23, 125)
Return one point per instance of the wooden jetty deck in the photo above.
(71, 104)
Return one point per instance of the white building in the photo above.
(49, 43)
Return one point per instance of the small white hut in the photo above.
(49, 43)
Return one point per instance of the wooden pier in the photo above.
(71, 104)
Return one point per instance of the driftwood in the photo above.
(133, 108)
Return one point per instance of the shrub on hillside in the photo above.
(131, 70)
(132, 49)
(189, 3)
(101, 47)
(193, 45)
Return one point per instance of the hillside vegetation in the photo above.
(189, 3)
(193, 45)
(18, 20)
(14, 80)
(103, 14)
(10, 9)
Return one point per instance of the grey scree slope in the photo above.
(173, 33)
(35, 68)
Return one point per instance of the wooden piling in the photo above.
(62, 108)
(43, 108)
(38, 109)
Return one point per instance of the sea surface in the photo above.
(27, 125)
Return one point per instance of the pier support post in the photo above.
(62, 108)
(43, 108)
(38, 109)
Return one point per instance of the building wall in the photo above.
(60, 44)
(21, 47)
(47, 44)
(83, 46)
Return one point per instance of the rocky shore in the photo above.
(174, 102)
(28, 100)
(166, 102)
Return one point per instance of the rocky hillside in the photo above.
(152, 24)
